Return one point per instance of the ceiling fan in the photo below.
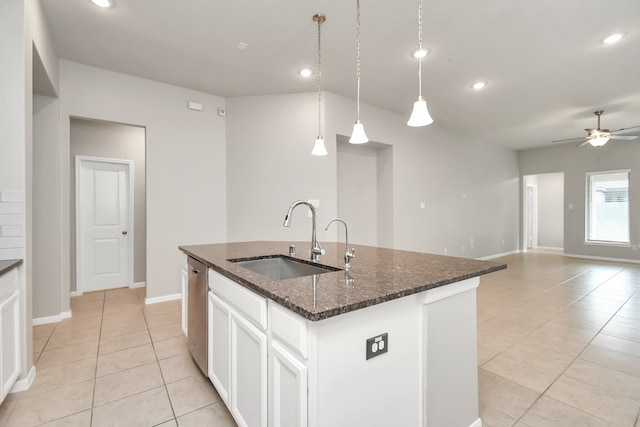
(598, 137)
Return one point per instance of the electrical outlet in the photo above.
(377, 345)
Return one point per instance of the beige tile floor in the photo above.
(116, 362)
(558, 345)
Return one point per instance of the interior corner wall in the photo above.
(46, 208)
(575, 163)
(470, 188)
(269, 166)
(15, 134)
(113, 141)
(185, 159)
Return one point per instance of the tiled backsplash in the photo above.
(11, 225)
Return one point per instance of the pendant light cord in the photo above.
(420, 48)
(319, 20)
(358, 57)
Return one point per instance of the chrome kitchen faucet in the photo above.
(316, 250)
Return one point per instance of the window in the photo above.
(607, 213)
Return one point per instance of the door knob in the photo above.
(124, 232)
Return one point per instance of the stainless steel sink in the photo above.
(281, 267)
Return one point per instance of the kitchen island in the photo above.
(391, 342)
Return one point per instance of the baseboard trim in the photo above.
(138, 285)
(477, 423)
(600, 258)
(486, 258)
(75, 294)
(25, 383)
(51, 319)
(164, 298)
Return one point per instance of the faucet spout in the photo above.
(348, 254)
(316, 250)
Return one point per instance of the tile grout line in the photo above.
(578, 356)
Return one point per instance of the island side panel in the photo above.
(382, 391)
(451, 363)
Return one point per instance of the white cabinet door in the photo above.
(219, 350)
(9, 343)
(248, 373)
(288, 390)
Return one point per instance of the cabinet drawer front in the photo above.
(290, 328)
(249, 303)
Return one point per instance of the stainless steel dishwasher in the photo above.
(198, 290)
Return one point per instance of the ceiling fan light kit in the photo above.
(599, 137)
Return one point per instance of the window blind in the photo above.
(607, 207)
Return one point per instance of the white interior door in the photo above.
(104, 223)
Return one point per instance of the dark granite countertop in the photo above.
(377, 275)
(6, 265)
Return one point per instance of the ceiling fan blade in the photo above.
(583, 144)
(627, 137)
(627, 130)
(569, 140)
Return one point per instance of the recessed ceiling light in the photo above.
(613, 38)
(420, 53)
(479, 85)
(103, 3)
(305, 72)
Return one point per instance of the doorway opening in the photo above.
(365, 191)
(123, 144)
(543, 211)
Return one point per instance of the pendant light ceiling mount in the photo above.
(319, 148)
(319, 18)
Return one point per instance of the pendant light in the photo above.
(358, 136)
(420, 115)
(319, 149)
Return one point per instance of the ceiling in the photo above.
(545, 62)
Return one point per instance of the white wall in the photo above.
(46, 208)
(186, 180)
(114, 141)
(358, 192)
(575, 163)
(470, 188)
(269, 166)
(23, 32)
(550, 210)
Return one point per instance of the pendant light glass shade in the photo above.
(358, 136)
(420, 115)
(319, 149)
